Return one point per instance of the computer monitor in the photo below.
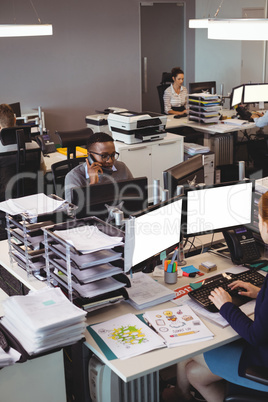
(254, 93)
(188, 174)
(154, 230)
(218, 208)
(16, 108)
(92, 200)
(237, 96)
(199, 87)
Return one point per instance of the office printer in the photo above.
(132, 127)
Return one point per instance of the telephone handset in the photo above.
(242, 245)
(105, 170)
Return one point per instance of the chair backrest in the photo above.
(165, 83)
(60, 170)
(19, 167)
(71, 139)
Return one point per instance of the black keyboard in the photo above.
(201, 294)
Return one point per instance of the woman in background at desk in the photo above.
(175, 96)
(206, 372)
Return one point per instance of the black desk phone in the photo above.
(242, 245)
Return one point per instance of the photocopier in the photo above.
(132, 127)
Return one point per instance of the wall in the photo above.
(220, 60)
(91, 62)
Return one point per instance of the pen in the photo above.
(184, 333)
(170, 266)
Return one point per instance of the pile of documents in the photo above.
(43, 320)
(204, 108)
(194, 149)
(31, 205)
(146, 292)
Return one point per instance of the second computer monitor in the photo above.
(199, 87)
(237, 96)
(187, 174)
(130, 195)
(218, 208)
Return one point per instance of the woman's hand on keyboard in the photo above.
(245, 289)
(219, 297)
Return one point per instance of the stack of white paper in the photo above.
(8, 358)
(146, 292)
(194, 149)
(32, 205)
(43, 320)
(88, 239)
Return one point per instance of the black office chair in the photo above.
(258, 153)
(235, 393)
(74, 138)
(165, 83)
(60, 170)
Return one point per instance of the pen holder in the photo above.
(170, 277)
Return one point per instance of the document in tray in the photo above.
(178, 326)
(32, 205)
(146, 292)
(125, 336)
(88, 239)
(91, 274)
(88, 260)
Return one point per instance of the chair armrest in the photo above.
(257, 374)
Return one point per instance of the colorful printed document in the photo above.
(125, 336)
(178, 326)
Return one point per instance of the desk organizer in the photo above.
(90, 280)
(204, 108)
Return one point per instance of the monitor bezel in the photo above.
(185, 234)
(232, 94)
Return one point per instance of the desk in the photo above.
(218, 137)
(139, 366)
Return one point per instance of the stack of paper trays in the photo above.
(178, 326)
(125, 336)
(146, 292)
(204, 108)
(43, 320)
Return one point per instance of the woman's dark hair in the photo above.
(175, 71)
(263, 207)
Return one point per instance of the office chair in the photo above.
(71, 139)
(60, 170)
(165, 83)
(236, 393)
(258, 153)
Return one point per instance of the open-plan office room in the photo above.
(112, 54)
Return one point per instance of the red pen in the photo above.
(190, 274)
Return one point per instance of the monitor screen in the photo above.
(152, 232)
(237, 96)
(255, 93)
(217, 208)
(92, 200)
(188, 174)
(199, 87)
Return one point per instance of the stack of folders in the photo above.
(146, 292)
(43, 320)
(178, 326)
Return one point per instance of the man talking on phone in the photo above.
(101, 165)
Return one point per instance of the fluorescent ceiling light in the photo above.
(11, 30)
(198, 23)
(238, 29)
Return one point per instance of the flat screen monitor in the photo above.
(237, 96)
(188, 174)
(16, 108)
(151, 232)
(255, 93)
(218, 208)
(199, 87)
(92, 200)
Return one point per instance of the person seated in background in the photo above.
(8, 119)
(207, 372)
(260, 119)
(100, 167)
(175, 96)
